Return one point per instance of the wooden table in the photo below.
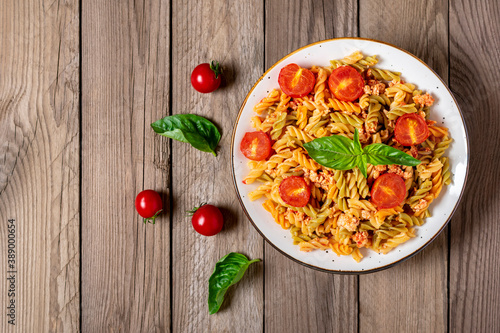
(80, 82)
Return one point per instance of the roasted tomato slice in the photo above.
(295, 191)
(388, 191)
(296, 81)
(256, 145)
(346, 83)
(411, 129)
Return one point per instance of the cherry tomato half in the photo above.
(295, 191)
(256, 145)
(346, 83)
(206, 77)
(207, 220)
(411, 129)
(148, 204)
(296, 81)
(388, 191)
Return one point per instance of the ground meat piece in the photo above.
(394, 82)
(348, 222)
(408, 173)
(425, 100)
(366, 214)
(376, 87)
(379, 169)
(361, 238)
(396, 169)
(363, 135)
(320, 179)
(422, 204)
(414, 151)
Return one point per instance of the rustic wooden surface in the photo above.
(80, 82)
(40, 163)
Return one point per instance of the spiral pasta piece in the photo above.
(304, 161)
(348, 119)
(361, 183)
(278, 125)
(441, 147)
(371, 121)
(338, 105)
(319, 88)
(299, 134)
(398, 111)
(382, 74)
(364, 101)
(272, 98)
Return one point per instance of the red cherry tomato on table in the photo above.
(256, 145)
(206, 77)
(346, 83)
(411, 129)
(296, 81)
(295, 191)
(148, 204)
(388, 191)
(207, 220)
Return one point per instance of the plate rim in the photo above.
(350, 272)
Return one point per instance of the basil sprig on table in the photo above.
(190, 128)
(228, 271)
(341, 153)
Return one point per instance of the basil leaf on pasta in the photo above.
(363, 166)
(228, 271)
(380, 154)
(335, 152)
(195, 130)
(356, 143)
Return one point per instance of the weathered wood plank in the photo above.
(232, 33)
(420, 284)
(39, 163)
(474, 252)
(125, 78)
(298, 297)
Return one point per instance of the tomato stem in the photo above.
(153, 218)
(191, 212)
(215, 67)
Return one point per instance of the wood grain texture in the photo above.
(422, 279)
(474, 257)
(420, 284)
(298, 297)
(125, 87)
(39, 162)
(235, 38)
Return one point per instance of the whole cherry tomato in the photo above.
(206, 77)
(207, 220)
(149, 205)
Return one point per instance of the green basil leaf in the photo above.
(380, 154)
(228, 271)
(334, 152)
(190, 128)
(357, 144)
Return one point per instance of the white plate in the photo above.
(445, 111)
